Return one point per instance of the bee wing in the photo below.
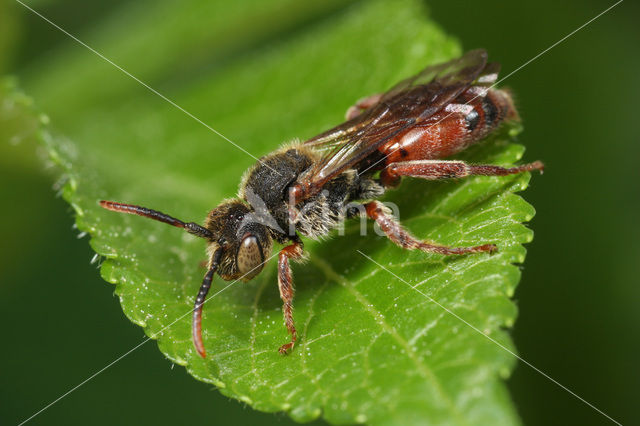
(404, 105)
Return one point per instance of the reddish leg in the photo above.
(439, 169)
(363, 104)
(285, 284)
(396, 233)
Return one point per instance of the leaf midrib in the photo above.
(424, 369)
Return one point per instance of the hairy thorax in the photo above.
(266, 188)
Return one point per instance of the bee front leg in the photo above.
(401, 237)
(363, 104)
(285, 285)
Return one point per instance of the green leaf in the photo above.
(370, 349)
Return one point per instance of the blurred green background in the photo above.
(579, 298)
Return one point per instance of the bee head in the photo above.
(245, 243)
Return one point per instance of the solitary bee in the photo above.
(309, 188)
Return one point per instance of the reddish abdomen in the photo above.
(463, 122)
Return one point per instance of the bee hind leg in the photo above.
(401, 237)
(362, 105)
(441, 169)
(285, 285)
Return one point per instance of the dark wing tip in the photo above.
(480, 53)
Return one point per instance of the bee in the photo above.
(309, 188)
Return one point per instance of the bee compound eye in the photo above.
(250, 257)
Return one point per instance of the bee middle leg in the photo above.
(285, 285)
(362, 105)
(441, 169)
(401, 237)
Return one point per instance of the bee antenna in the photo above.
(190, 227)
(196, 325)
